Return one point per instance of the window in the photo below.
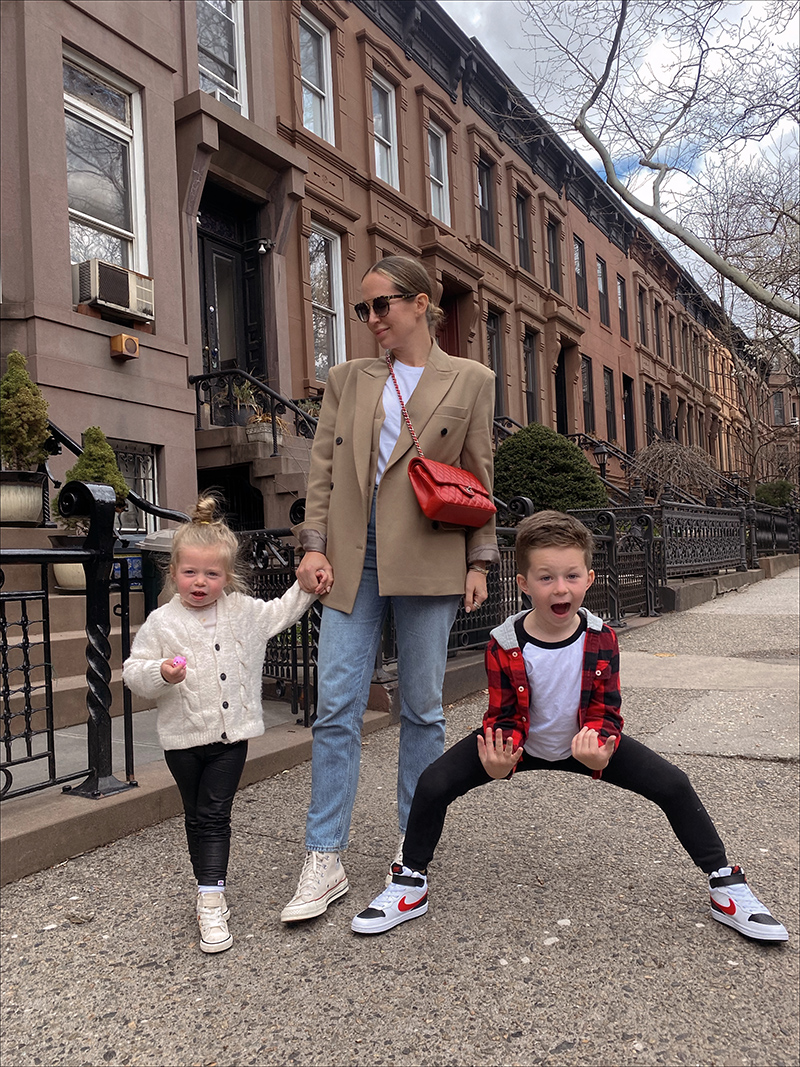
(695, 358)
(649, 413)
(671, 331)
(666, 416)
(581, 290)
(531, 376)
(495, 349)
(685, 348)
(778, 413)
(105, 166)
(220, 51)
(437, 163)
(602, 291)
(384, 126)
(689, 425)
(657, 328)
(553, 256)
(137, 464)
(642, 304)
(611, 411)
(315, 75)
(622, 303)
(486, 199)
(588, 394)
(327, 306)
(523, 231)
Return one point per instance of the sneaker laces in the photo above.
(742, 894)
(312, 870)
(390, 895)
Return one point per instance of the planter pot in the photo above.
(21, 495)
(70, 577)
(262, 431)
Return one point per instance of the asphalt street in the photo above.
(566, 925)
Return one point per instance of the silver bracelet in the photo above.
(477, 567)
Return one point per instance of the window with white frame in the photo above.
(105, 165)
(220, 51)
(437, 164)
(316, 78)
(384, 128)
(327, 303)
(137, 463)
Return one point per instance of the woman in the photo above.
(367, 543)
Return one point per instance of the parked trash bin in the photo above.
(156, 549)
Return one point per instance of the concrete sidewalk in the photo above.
(566, 924)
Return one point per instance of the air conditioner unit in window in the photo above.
(105, 285)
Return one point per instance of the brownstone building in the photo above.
(211, 178)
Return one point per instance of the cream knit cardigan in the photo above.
(220, 699)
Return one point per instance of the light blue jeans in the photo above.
(348, 645)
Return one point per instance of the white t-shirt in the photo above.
(408, 379)
(554, 673)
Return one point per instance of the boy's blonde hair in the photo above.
(551, 529)
(208, 530)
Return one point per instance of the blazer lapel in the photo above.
(433, 386)
(368, 394)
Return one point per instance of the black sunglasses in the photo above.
(380, 305)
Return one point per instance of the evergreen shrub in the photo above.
(541, 464)
(777, 493)
(97, 465)
(23, 417)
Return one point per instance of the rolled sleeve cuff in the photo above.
(487, 554)
(312, 541)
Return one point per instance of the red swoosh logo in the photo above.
(403, 906)
(729, 909)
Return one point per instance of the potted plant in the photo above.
(259, 425)
(23, 432)
(98, 465)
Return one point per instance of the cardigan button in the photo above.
(224, 736)
(225, 704)
(223, 677)
(216, 647)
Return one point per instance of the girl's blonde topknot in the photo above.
(208, 529)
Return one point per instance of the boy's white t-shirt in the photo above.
(408, 379)
(554, 672)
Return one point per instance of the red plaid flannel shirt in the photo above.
(509, 692)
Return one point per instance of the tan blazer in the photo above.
(451, 410)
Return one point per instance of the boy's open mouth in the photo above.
(560, 609)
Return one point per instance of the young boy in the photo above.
(543, 664)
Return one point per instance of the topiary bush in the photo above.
(541, 464)
(777, 493)
(23, 417)
(96, 465)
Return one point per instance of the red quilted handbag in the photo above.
(445, 493)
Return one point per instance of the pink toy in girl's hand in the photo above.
(179, 661)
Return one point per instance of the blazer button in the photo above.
(331, 485)
(435, 525)
(225, 704)
(338, 440)
(444, 432)
(223, 677)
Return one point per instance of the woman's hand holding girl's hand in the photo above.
(315, 573)
(173, 670)
(474, 591)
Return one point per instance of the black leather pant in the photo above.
(207, 777)
(633, 766)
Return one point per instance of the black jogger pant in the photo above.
(207, 777)
(633, 766)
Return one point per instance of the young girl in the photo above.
(200, 657)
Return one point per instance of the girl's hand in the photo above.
(498, 757)
(315, 573)
(172, 673)
(586, 749)
(474, 591)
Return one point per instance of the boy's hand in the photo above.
(586, 748)
(497, 756)
(172, 673)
